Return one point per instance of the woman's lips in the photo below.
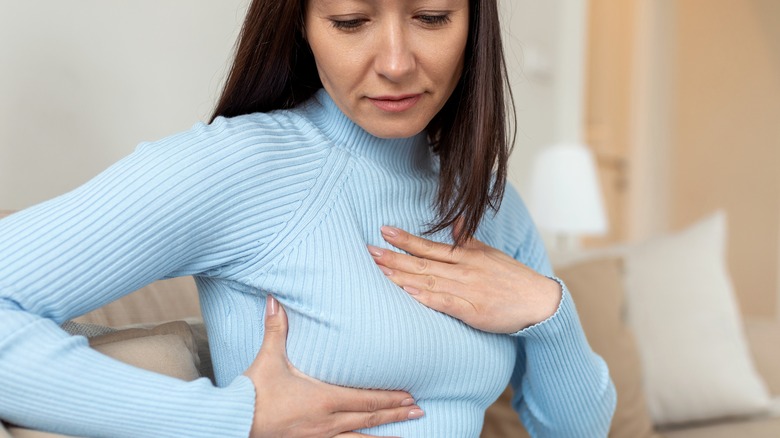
(395, 104)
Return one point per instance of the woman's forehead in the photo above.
(407, 3)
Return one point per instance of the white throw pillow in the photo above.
(689, 333)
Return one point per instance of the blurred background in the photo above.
(678, 102)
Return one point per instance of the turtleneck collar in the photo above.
(411, 153)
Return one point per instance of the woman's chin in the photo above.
(393, 130)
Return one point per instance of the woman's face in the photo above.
(390, 65)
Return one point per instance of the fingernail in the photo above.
(271, 306)
(407, 402)
(415, 413)
(390, 231)
(411, 290)
(376, 252)
(385, 270)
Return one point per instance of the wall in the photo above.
(530, 40)
(703, 127)
(84, 81)
(726, 141)
(652, 116)
(610, 79)
(544, 45)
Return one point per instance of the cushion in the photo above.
(163, 354)
(168, 349)
(597, 288)
(682, 309)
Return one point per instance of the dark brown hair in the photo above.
(274, 69)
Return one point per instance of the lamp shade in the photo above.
(565, 196)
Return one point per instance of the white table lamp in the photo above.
(565, 196)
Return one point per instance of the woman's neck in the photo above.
(412, 153)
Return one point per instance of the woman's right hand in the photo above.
(289, 403)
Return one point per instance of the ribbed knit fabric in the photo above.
(281, 203)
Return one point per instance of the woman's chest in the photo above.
(350, 325)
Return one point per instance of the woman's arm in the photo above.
(138, 221)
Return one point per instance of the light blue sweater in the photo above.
(280, 203)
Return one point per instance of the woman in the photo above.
(354, 171)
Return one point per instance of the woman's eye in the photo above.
(348, 24)
(434, 20)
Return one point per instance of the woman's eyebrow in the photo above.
(324, 4)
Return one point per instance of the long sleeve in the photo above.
(174, 207)
(562, 388)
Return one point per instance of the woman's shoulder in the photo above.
(253, 153)
(256, 130)
(277, 122)
(254, 139)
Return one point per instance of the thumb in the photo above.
(275, 338)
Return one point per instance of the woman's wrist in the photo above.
(549, 294)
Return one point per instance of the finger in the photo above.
(355, 434)
(408, 263)
(421, 247)
(426, 282)
(450, 304)
(347, 399)
(367, 420)
(275, 338)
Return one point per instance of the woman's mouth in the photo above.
(395, 104)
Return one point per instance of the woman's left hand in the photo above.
(474, 283)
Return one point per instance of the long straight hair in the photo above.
(274, 68)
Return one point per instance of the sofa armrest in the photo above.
(764, 339)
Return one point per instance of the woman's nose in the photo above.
(395, 59)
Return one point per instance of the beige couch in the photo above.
(598, 289)
(180, 349)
